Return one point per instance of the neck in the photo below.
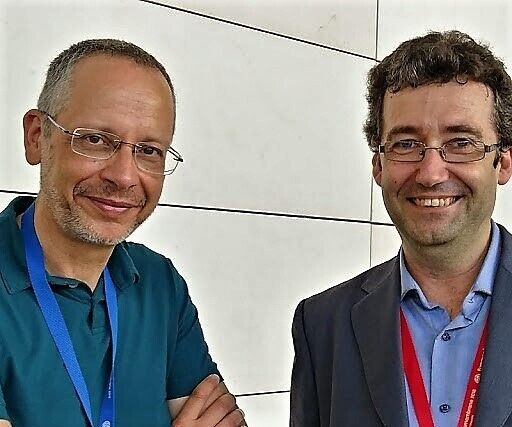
(446, 274)
(68, 257)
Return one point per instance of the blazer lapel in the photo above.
(376, 327)
(495, 400)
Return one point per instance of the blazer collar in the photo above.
(375, 322)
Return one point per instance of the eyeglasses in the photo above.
(100, 145)
(457, 150)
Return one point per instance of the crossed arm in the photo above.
(209, 405)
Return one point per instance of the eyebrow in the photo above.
(398, 130)
(464, 129)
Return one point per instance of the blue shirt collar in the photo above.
(484, 282)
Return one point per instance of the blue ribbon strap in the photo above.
(57, 326)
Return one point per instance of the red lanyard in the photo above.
(417, 387)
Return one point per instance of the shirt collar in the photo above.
(484, 282)
(13, 267)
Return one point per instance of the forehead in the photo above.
(117, 88)
(435, 107)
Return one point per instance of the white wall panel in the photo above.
(346, 24)
(485, 20)
(379, 213)
(385, 243)
(247, 274)
(5, 199)
(266, 411)
(503, 210)
(279, 129)
(263, 123)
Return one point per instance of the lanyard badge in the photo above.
(417, 387)
(55, 322)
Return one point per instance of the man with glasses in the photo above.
(425, 338)
(96, 331)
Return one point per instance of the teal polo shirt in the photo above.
(161, 349)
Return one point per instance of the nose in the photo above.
(121, 169)
(432, 169)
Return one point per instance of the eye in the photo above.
(403, 146)
(95, 139)
(460, 145)
(150, 151)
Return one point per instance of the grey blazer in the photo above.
(348, 370)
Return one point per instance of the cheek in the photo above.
(393, 179)
(152, 189)
(75, 173)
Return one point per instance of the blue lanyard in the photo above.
(53, 317)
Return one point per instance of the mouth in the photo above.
(434, 202)
(112, 207)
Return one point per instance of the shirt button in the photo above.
(444, 408)
(446, 337)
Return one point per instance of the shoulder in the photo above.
(152, 268)
(339, 300)
(142, 255)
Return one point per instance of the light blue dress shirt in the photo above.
(446, 348)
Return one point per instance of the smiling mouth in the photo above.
(115, 204)
(440, 202)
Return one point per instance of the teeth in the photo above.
(447, 201)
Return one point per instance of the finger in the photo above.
(234, 419)
(196, 401)
(219, 409)
(219, 391)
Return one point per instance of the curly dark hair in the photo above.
(439, 57)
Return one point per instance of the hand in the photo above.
(210, 405)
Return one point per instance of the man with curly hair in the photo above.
(423, 339)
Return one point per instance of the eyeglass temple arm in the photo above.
(67, 132)
(176, 154)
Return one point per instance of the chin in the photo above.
(104, 235)
(436, 236)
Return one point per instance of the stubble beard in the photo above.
(438, 231)
(72, 219)
(430, 232)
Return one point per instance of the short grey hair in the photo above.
(56, 90)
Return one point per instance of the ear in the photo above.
(33, 135)
(505, 167)
(377, 168)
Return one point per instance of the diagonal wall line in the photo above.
(262, 393)
(260, 30)
(244, 211)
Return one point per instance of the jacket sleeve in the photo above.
(304, 410)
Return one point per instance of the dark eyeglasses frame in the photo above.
(487, 149)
